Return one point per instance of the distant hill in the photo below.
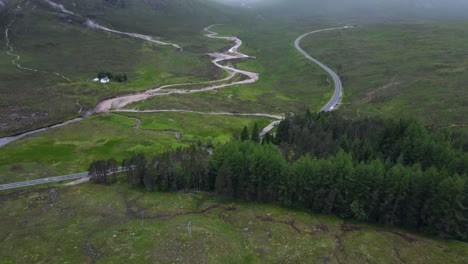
(154, 15)
(383, 9)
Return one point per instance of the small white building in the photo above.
(105, 80)
(96, 80)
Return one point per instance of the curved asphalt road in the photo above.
(336, 99)
(43, 180)
(47, 180)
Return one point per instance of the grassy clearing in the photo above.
(71, 148)
(197, 126)
(88, 223)
(417, 70)
(215, 101)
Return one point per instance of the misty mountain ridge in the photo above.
(164, 7)
(411, 9)
(357, 3)
(3, 2)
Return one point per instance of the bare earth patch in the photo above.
(373, 94)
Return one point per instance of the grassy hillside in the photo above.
(417, 70)
(55, 42)
(365, 10)
(51, 42)
(176, 20)
(114, 224)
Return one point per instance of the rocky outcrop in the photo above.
(3, 2)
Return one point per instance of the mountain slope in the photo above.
(53, 44)
(366, 10)
(160, 17)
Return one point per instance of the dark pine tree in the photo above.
(245, 134)
(255, 134)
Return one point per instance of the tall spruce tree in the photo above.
(255, 134)
(245, 134)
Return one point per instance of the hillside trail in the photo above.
(11, 51)
(94, 25)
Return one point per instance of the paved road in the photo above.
(47, 180)
(43, 180)
(6, 140)
(337, 96)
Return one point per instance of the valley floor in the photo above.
(114, 224)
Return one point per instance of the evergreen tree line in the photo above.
(431, 201)
(115, 77)
(393, 141)
(102, 171)
(171, 171)
(391, 172)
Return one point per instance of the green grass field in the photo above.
(72, 148)
(115, 224)
(414, 70)
(418, 70)
(288, 82)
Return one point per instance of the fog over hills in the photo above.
(363, 8)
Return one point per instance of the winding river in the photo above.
(118, 103)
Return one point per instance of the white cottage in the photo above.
(105, 80)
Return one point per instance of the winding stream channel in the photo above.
(118, 103)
